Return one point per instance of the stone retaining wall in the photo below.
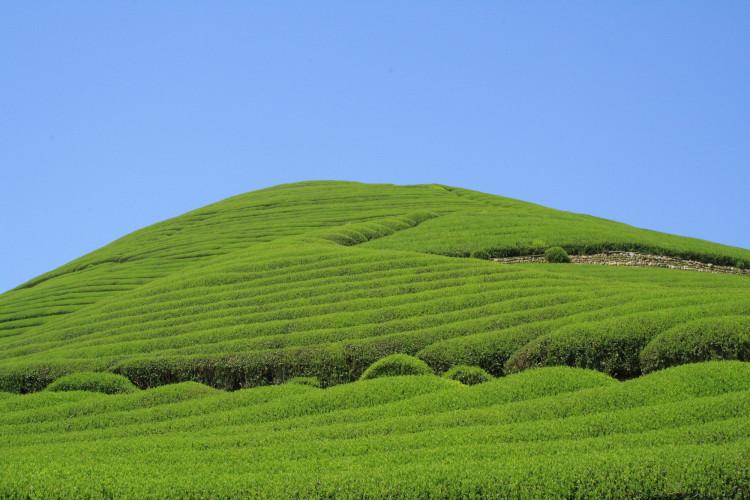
(632, 259)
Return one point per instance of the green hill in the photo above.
(323, 279)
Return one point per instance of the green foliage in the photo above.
(232, 372)
(395, 365)
(311, 381)
(556, 255)
(481, 254)
(324, 278)
(29, 378)
(310, 284)
(107, 383)
(328, 311)
(700, 340)
(526, 228)
(36, 376)
(612, 346)
(546, 433)
(355, 234)
(468, 375)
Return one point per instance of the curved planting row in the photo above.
(322, 279)
(205, 235)
(277, 311)
(552, 432)
(508, 228)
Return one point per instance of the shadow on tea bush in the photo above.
(311, 381)
(468, 375)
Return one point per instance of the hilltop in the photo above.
(377, 344)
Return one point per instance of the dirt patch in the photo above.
(633, 259)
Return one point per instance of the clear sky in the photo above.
(115, 115)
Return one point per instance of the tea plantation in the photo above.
(311, 340)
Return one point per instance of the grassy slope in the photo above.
(307, 279)
(555, 432)
(323, 279)
(276, 311)
(198, 237)
(500, 227)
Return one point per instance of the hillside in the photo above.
(321, 280)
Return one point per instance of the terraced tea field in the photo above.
(272, 293)
(553, 432)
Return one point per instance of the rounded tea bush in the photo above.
(396, 364)
(481, 254)
(557, 255)
(468, 375)
(108, 383)
(706, 339)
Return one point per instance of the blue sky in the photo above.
(115, 115)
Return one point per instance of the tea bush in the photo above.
(613, 345)
(468, 375)
(395, 365)
(556, 255)
(107, 383)
(232, 372)
(705, 339)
